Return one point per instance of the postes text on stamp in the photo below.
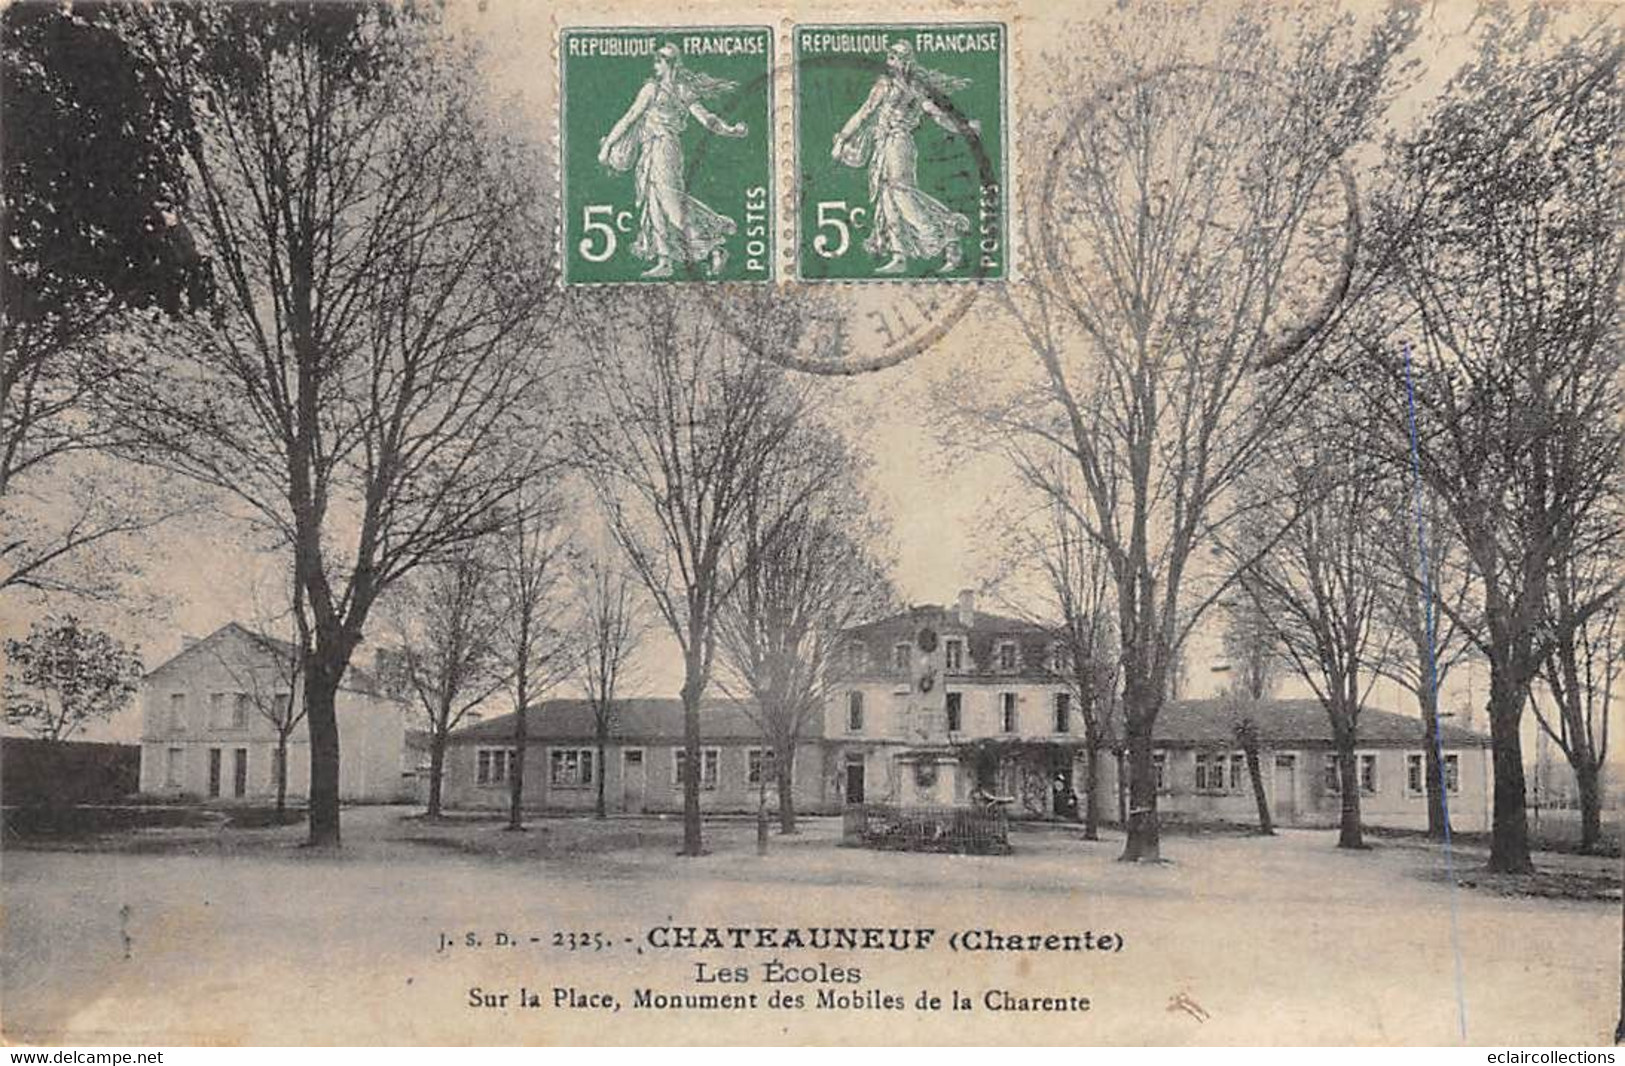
(900, 153)
(666, 142)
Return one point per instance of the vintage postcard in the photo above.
(997, 523)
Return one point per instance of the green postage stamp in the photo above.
(900, 153)
(667, 154)
(900, 172)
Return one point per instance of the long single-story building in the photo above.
(642, 763)
(1202, 773)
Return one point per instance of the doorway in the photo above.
(214, 773)
(1286, 790)
(854, 779)
(239, 772)
(633, 781)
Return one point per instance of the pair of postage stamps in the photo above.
(669, 143)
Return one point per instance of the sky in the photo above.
(943, 506)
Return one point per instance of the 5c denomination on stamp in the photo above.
(643, 202)
(900, 154)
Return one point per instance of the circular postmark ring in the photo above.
(1290, 340)
(831, 356)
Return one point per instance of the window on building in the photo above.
(900, 657)
(218, 714)
(1007, 712)
(570, 767)
(491, 765)
(1210, 769)
(854, 712)
(172, 767)
(956, 712)
(1059, 660)
(1159, 770)
(710, 761)
(1416, 779)
(1007, 655)
(857, 657)
(177, 712)
(759, 761)
(953, 653)
(241, 708)
(1063, 712)
(1238, 772)
(1366, 768)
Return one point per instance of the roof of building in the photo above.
(1188, 723)
(936, 614)
(644, 720)
(356, 678)
(1283, 723)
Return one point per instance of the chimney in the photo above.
(188, 639)
(967, 607)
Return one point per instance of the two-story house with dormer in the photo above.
(913, 692)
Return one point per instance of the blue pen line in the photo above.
(1432, 681)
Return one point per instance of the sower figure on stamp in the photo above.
(673, 226)
(909, 223)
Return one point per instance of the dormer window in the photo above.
(1058, 658)
(1007, 655)
(857, 657)
(900, 656)
(953, 654)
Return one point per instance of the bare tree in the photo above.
(1306, 556)
(1509, 301)
(1254, 651)
(271, 686)
(1078, 611)
(64, 676)
(807, 571)
(449, 657)
(612, 625)
(1199, 242)
(383, 314)
(93, 175)
(1424, 601)
(685, 418)
(535, 645)
(1580, 670)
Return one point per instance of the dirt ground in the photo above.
(190, 935)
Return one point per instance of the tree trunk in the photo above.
(281, 777)
(692, 842)
(1091, 796)
(516, 771)
(1438, 816)
(437, 770)
(1588, 782)
(1348, 777)
(1255, 773)
(321, 719)
(601, 730)
(1509, 833)
(787, 787)
(1143, 844)
(1120, 757)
